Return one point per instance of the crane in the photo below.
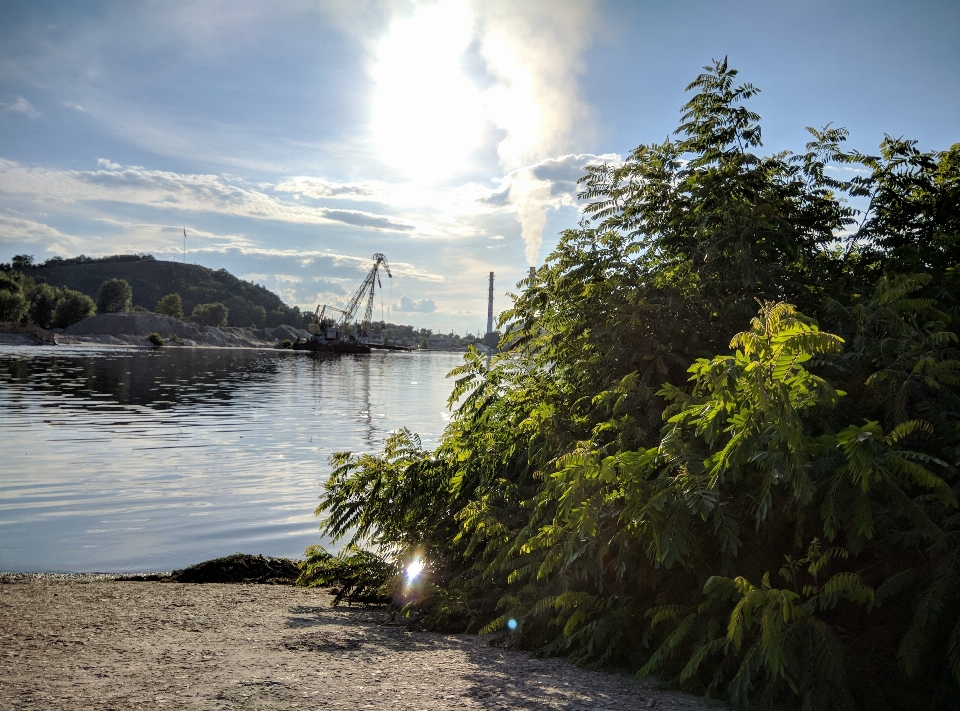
(367, 288)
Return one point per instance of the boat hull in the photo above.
(321, 346)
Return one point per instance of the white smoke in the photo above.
(530, 196)
(533, 49)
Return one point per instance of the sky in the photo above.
(293, 140)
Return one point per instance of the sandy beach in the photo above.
(98, 643)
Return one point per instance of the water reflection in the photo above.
(148, 460)
(151, 378)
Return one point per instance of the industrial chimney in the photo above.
(490, 306)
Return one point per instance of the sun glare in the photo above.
(427, 113)
(414, 568)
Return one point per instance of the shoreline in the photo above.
(109, 644)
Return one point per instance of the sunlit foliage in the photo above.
(720, 440)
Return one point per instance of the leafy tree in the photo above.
(114, 296)
(22, 261)
(13, 302)
(72, 307)
(244, 313)
(13, 305)
(214, 314)
(491, 340)
(170, 305)
(754, 504)
(43, 300)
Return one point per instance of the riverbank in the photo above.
(99, 643)
(132, 329)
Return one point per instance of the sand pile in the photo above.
(131, 329)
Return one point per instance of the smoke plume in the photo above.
(533, 49)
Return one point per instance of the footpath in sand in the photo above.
(90, 643)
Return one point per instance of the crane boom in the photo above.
(367, 288)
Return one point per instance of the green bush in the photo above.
(355, 575)
(114, 296)
(155, 339)
(214, 314)
(13, 305)
(72, 307)
(13, 302)
(43, 301)
(170, 305)
(759, 504)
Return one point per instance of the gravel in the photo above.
(94, 642)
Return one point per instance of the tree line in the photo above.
(247, 303)
(720, 441)
(25, 300)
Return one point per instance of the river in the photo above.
(134, 460)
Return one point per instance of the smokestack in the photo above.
(490, 306)
(533, 272)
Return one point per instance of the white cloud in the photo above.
(408, 305)
(164, 189)
(20, 106)
(403, 269)
(15, 229)
(319, 188)
(848, 169)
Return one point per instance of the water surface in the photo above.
(145, 460)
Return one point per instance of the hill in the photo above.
(151, 279)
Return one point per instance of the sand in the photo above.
(93, 643)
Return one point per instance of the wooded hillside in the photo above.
(151, 279)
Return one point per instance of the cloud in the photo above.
(548, 183)
(20, 106)
(15, 229)
(566, 170)
(319, 188)
(366, 219)
(400, 269)
(220, 194)
(848, 169)
(408, 305)
(280, 278)
(497, 199)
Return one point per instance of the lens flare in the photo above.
(512, 623)
(414, 568)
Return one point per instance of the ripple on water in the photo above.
(96, 436)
